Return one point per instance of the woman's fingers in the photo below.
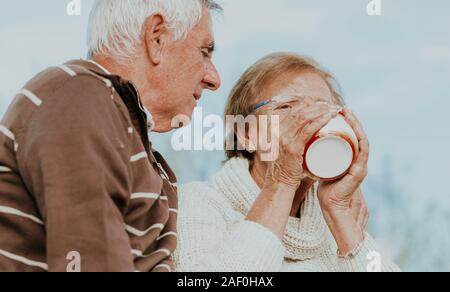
(294, 120)
(355, 177)
(364, 146)
(299, 118)
(308, 113)
(356, 125)
(314, 126)
(359, 170)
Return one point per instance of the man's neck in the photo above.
(138, 75)
(111, 66)
(99, 66)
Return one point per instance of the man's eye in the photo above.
(205, 53)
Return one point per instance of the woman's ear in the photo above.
(247, 138)
(155, 37)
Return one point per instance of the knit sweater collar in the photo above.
(304, 238)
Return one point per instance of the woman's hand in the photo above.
(359, 209)
(285, 172)
(297, 127)
(341, 200)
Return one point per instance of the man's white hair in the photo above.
(116, 26)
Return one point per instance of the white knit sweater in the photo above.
(213, 235)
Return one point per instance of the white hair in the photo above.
(116, 26)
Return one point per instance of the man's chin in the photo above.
(182, 120)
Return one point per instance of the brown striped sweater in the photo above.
(78, 174)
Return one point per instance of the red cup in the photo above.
(330, 154)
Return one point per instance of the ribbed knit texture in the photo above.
(214, 236)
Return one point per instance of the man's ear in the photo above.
(156, 36)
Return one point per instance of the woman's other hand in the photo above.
(341, 201)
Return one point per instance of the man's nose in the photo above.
(212, 77)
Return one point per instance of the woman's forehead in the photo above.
(306, 84)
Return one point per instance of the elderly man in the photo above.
(81, 187)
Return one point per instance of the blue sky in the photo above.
(394, 71)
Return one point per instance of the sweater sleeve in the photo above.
(75, 166)
(207, 243)
(368, 259)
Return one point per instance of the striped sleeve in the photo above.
(74, 158)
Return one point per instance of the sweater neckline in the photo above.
(304, 238)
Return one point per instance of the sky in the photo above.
(393, 69)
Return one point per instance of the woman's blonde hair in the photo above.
(247, 91)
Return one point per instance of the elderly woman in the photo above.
(257, 215)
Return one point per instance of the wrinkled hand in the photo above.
(358, 207)
(337, 196)
(300, 119)
(297, 126)
(342, 202)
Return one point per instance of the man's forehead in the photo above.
(204, 29)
